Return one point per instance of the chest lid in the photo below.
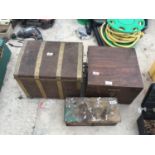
(50, 60)
(113, 67)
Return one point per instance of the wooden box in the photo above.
(50, 69)
(146, 121)
(113, 72)
(91, 111)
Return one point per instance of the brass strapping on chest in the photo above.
(59, 69)
(79, 66)
(37, 70)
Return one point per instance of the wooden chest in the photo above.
(50, 69)
(91, 111)
(113, 72)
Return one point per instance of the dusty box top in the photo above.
(113, 67)
(91, 111)
(49, 60)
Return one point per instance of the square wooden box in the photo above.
(113, 72)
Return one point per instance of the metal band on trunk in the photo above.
(37, 70)
(58, 71)
(79, 66)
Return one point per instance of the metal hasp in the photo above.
(5, 54)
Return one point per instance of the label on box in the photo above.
(109, 83)
(96, 73)
(49, 54)
(113, 102)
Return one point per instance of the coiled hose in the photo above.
(118, 39)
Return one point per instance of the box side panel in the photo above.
(118, 65)
(50, 88)
(49, 60)
(71, 88)
(128, 95)
(72, 69)
(70, 61)
(124, 95)
(29, 57)
(29, 87)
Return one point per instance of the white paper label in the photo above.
(96, 73)
(49, 54)
(113, 102)
(109, 83)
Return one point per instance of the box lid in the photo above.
(50, 60)
(113, 67)
(149, 99)
(91, 111)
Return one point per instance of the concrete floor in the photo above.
(40, 116)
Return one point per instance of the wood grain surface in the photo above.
(113, 72)
(46, 63)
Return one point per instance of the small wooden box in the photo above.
(50, 69)
(91, 111)
(113, 72)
